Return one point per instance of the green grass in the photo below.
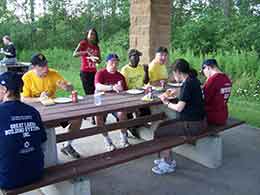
(243, 109)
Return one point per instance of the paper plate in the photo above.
(158, 89)
(62, 100)
(175, 84)
(135, 91)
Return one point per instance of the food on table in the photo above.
(47, 101)
(169, 93)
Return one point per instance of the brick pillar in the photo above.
(150, 26)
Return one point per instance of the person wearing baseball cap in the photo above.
(135, 74)
(43, 81)
(217, 90)
(21, 154)
(158, 68)
(110, 80)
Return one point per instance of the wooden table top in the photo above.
(111, 102)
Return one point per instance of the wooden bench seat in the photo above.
(94, 163)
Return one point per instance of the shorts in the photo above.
(176, 127)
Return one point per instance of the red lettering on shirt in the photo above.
(87, 64)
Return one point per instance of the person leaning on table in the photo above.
(217, 89)
(21, 136)
(43, 81)
(189, 110)
(158, 67)
(110, 80)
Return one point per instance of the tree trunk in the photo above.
(44, 2)
(4, 4)
(113, 6)
(227, 7)
(32, 10)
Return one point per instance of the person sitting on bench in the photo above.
(190, 113)
(21, 136)
(217, 89)
(110, 80)
(136, 76)
(42, 82)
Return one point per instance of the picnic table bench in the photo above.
(53, 115)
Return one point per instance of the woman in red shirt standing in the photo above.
(89, 52)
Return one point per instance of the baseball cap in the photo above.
(39, 59)
(12, 81)
(112, 56)
(133, 52)
(209, 62)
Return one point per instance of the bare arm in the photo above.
(30, 99)
(146, 74)
(102, 87)
(177, 107)
(78, 53)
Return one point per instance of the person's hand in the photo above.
(64, 85)
(172, 92)
(164, 99)
(146, 67)
(44, 95)
(115, 88)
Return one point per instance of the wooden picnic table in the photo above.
(53, 115)
(111, 102)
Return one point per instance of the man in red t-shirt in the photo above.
(217, 89)
(110, 80)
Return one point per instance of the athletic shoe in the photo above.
(158, 161)
(70, 151)
(110, 147)
(124, 144)
(163, 168)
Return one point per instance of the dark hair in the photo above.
(95, 31)
(183, 66)
(161, 50)
(7, 37)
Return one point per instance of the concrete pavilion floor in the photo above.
(239, 174)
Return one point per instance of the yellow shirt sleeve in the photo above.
(125, 73)
(27, 91)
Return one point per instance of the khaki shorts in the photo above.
(176, 127)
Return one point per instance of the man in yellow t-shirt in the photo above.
(41, 82)
(135, 74)
(157, 68)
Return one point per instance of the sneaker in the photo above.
(173, 164)
(124, 144)
(110, 147)
(134, 133)
(163, 168)
(70, 151)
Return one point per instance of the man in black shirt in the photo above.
(9, 51)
